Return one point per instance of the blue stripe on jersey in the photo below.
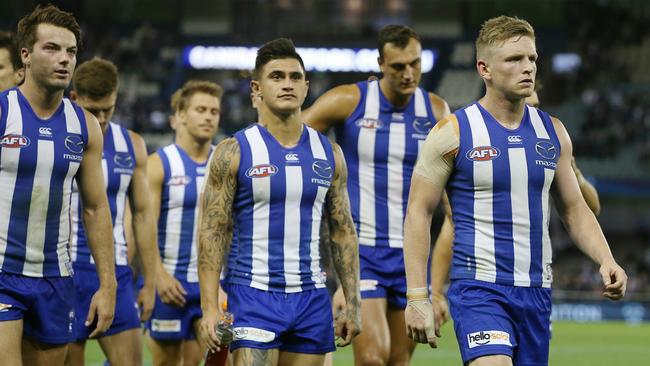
(118, 161)
(380, 143)
(38, 161)
(506, 177)
(278, 209)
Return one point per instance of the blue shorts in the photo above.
(173, 323)
(493, 319)
(86, 284)
(46, 306)
(298, 322)
(383, 275)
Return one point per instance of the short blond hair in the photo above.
(495, 31)
(181, 98)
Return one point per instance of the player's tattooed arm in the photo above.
(215, 231)
(345, 248)
(256, 357)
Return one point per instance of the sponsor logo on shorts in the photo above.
(14, 141)
(5, 307)
(368, 285)
(483, 153)
(253, 334)
(488, 337)
(166, 326)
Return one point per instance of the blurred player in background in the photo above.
(176, 176)
(12, 72)
(381, 125)
(272, 182)
(95, 86)
(47, 141)
(499, 160)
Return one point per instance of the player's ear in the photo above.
(255, 87)
(483, 69)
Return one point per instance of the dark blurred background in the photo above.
(594, 59)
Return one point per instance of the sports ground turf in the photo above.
(573, 344)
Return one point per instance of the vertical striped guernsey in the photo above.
(278, 207)
(118, 163)
(499, 195)
(39, 159)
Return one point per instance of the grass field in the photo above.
(573, 344)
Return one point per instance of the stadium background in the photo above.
(593, 67)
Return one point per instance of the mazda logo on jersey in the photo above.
(179, 180)
(14, 141)
(483, 153)
(369, 123)
(546, 149)
(74, 144)
(322, 168)
(422, 125)
(261, 171)
(123, 160)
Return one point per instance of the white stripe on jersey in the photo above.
(366, 168)
(318, 152)
(261, 210)
(484, 250)
(396, 149)
(63, 252)
(174, 215)
(192, 269)
(520, 215)
(293, 194)
(420, 112)
(40, 201)
(547, 250)
(72, 124)
(119, 140)
(121, 256)
(9, 162)
(537, 123)
(74, 232)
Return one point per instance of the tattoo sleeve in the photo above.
(215, 230)
(343, 235)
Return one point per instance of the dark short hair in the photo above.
(96, 79)
(397, 34)
(276, 49)
(8, 42)
(181, 98)
(48, 14)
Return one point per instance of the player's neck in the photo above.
(197, 150)
(397, 100)
(43, 102)
(508, 112)
(286, 128)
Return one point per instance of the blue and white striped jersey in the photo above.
(118, 163)
(499, 194)
(278, 208)
(39, 159)
(179, 209)
(381, 144)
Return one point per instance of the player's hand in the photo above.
(170, 290)
(614, 279)
(207, 330)
(146, 300)
(440, 309)
(348, 324)
(338, 302)
(102, 309)
(420, 324)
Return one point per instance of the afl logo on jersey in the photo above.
(123, 160)
(74, 144)
(546, 149)
(422, 125)
(483, 153)
(14, 141)
(179, 180)
(261, 171)
(369, 123)
(322, 168)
